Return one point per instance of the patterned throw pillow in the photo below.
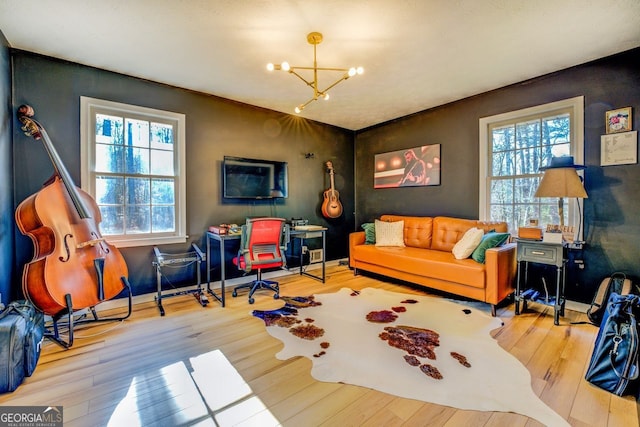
(369, 233)
(465, 246)
(389, 233)
(490, 240)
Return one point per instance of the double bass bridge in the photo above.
(97, 240)
(91, 242)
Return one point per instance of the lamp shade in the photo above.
(561, 182)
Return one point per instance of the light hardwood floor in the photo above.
(147, 371)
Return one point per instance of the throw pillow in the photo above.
(389, 233)
(465, 246)
(490, 240)
(369, 233)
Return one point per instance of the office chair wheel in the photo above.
(234, 293)
(276, 296)
(251, 300)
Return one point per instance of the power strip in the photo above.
(315, 255)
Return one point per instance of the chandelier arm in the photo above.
(318, 68)
(308, 83)
(315, 98)
(315, 70)
(345, 77)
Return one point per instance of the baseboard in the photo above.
(576, 306)
(139, 299)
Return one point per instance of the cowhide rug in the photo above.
(410, 346)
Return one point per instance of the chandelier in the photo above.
(315, 39)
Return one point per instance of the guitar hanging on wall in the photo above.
(331, 206)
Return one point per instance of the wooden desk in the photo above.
(222, 238)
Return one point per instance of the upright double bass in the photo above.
(72, 263)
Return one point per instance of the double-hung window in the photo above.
(133, 165)
(513, 147)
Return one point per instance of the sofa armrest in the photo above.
(501, 270)
(356, 238)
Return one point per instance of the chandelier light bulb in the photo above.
(270, 66)
(359, 70)
(326, 96)
(297, 110)
(352, 72)
(285, 66)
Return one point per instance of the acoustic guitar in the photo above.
(331, 206)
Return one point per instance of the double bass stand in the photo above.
(53, 332)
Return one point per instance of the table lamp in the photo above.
(561, 180)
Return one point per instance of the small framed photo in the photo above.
(618, 120)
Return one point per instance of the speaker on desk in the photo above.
(295, 222)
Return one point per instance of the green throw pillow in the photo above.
(490, 240)
(369, 233)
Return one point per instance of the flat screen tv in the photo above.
(244, 178)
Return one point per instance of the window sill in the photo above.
(146, 241)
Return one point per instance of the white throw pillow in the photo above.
(465, 246)
(389, 233)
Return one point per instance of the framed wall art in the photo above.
(618, 120)
(619, 149)
(410, 167)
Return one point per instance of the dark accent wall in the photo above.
(611, 217)
(215, 127)
(7, 254)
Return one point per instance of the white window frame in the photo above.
(88, 109)
(577, 150)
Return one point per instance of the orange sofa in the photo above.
(427, 259)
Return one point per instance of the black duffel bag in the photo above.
(21, 335)
(614, 364)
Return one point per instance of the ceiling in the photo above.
(417, 54)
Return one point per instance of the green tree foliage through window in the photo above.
(135, 175)
(516, 148)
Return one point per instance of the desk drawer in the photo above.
(545, 254)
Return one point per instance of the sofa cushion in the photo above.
(417, 229)
(369, 233)
(490, 240)
(465, 246)
(448, 231)
(425, 262)
(389, 233)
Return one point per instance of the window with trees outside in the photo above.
(133, 165)
(513, 147)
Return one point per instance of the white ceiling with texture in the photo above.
(416, 54)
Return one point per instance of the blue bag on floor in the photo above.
(614, 364)
(21, 335)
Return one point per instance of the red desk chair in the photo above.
(262, 245)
